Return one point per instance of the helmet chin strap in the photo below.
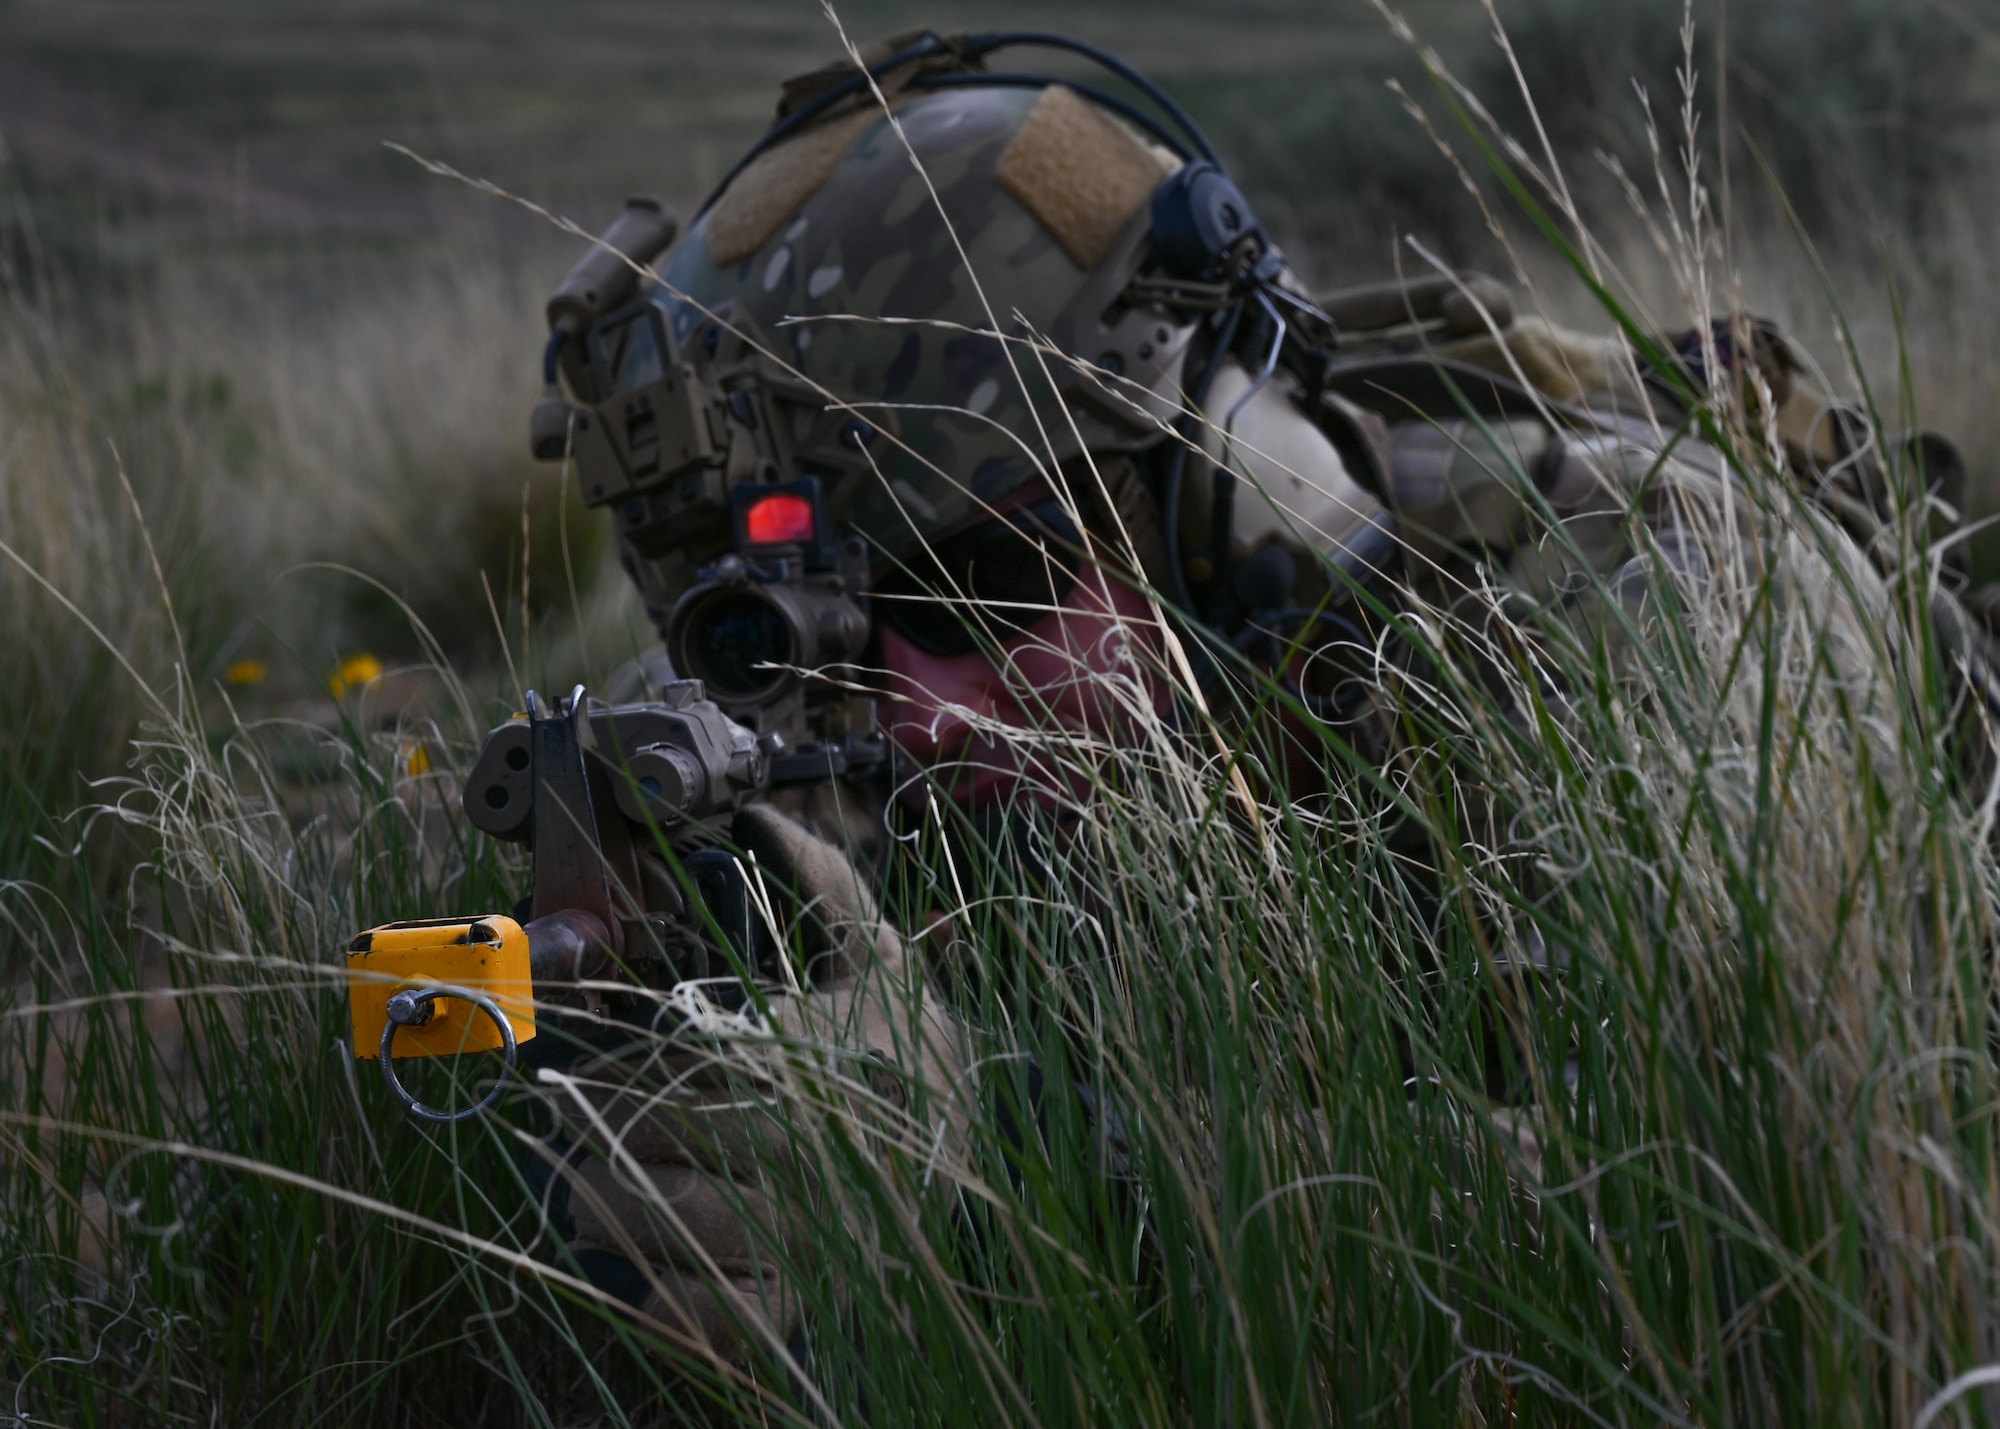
(1174, 478)
(1223, 496)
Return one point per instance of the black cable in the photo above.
(977, 46)
(977, 78)
(926, 44)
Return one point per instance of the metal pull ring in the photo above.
(412, 1007)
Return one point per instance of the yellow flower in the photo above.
(354, 672)
(246, 672)
(416, 759)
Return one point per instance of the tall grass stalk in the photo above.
(1619, 1051)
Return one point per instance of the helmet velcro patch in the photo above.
(770, 191)
(1077, 171)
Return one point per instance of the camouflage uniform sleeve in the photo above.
(678, 1165)
(1559, 523)
(1565, 531)
(1557, 519)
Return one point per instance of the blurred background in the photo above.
(264, 383)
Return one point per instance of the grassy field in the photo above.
(263, 396)
(605, 97)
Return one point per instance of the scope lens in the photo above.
(726, 637)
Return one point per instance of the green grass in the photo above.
(580, 108)
(1732, 1161)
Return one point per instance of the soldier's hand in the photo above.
(697, 1153)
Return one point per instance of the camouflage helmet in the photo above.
(922, 294)
(832, 249)
(855, 305)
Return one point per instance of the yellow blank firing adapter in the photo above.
(436, 987)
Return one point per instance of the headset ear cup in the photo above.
(1199, 217)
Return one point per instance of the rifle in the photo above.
(625, 807)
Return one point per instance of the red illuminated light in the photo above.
(785, 519)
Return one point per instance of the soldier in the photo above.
(988, 393)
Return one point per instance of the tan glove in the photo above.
(696, 1148)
